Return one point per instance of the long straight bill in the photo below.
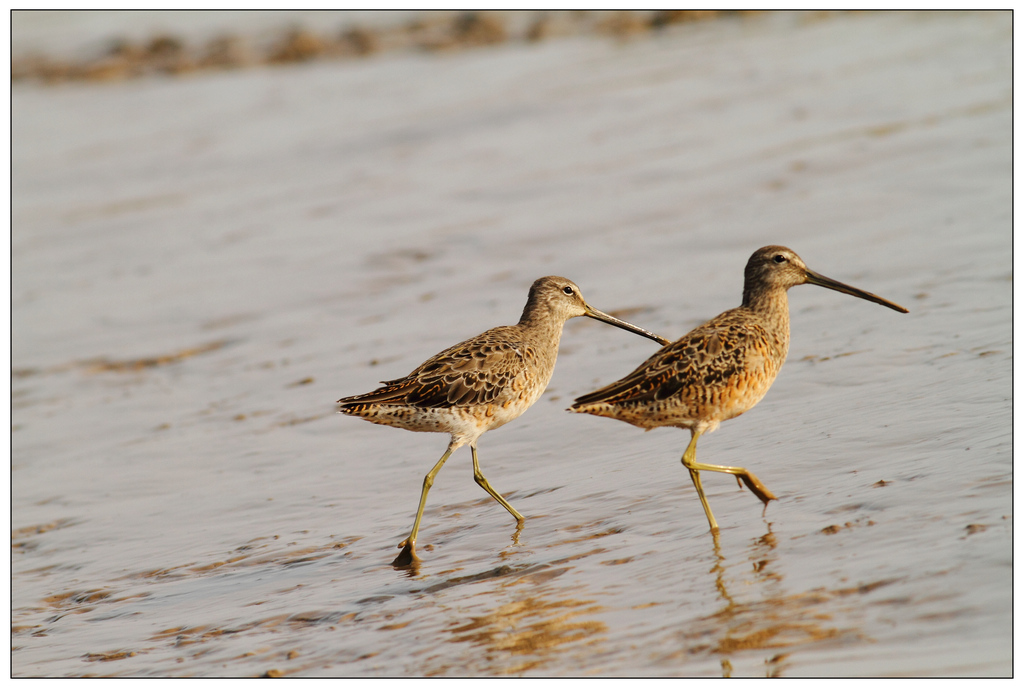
(605, 318)
(829, 283)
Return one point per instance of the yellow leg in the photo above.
(408, 555)
(749, 479)
(688, 461)
(482, 482)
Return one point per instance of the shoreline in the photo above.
(171, 53)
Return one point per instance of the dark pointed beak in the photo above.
(828, 283)
(605, 318)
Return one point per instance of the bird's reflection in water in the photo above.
(527, 633)
(540, 626)
(771, 624)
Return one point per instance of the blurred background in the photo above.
(224, 221)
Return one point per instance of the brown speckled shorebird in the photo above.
(722, 368)
(480, 384)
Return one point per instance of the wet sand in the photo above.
(202, 264)
(54, 47)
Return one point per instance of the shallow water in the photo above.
(201, 266)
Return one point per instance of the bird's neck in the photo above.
(772, 305)
(538, 324)
(540, 321)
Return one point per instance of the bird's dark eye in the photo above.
(567, 291)
(779, 258)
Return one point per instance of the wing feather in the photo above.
(705, 358)
(474, 372)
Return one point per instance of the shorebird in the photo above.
(720, 369)
(480, 384)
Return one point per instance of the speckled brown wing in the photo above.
(474, 372)
(692, 368)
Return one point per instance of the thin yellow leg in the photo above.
(688, 462)
(408, 553)
(482, 482)
(748, 478)
(695, 476)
